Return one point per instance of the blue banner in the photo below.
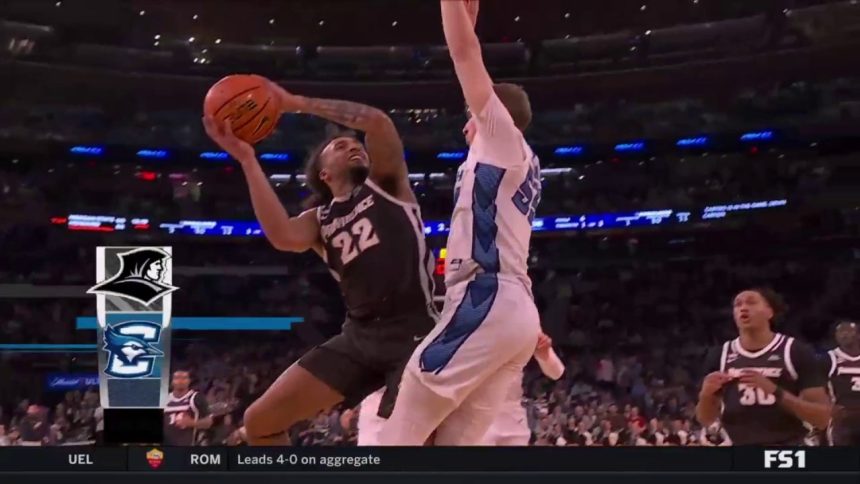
(62, 382)
(213, 324)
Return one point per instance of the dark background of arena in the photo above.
(631, 311)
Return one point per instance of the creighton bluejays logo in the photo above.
(140, 276)
(131, 348)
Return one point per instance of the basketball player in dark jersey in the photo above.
(763, 385)
(845, 385)
(186, 413)
(366, 225)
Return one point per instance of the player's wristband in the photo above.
(778, 394)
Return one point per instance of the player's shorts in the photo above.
(460, 374)
(510, 427)
(369, 422)
(356, 365)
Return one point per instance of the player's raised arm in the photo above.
(458, 21)
(293, 234)
(388, 164)
(500, 113)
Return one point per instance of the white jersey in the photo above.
(495, 197)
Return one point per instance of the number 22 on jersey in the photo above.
(355, 240)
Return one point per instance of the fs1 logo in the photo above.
(131, 348)
(785, 459)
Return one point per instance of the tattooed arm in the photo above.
(387, 163)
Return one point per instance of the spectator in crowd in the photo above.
(34, 427)
(5, 440)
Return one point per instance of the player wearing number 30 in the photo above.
(366, 224)
(844, 385)
(458, 378)
(763, 385)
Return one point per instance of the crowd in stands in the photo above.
(783, 105)
(631, 316)
(679, 181)
(632, 334)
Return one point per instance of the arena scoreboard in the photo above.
(561, 223)
(550, 464)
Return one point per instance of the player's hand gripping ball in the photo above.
(247, 102)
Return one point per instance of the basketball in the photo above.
(247, 103)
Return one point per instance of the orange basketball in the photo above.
(247, 103)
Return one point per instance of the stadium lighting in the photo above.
(697, 141)
(757, 136)
(635, 146)
(451, 155)
(87, 150)
(275, 156)
(156, 154)
(217, 41)
(142, 13)
(568, 150)
(555, 171)
(214, 155)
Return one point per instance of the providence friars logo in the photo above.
(140, 277)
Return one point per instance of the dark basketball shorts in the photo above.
(355, 372)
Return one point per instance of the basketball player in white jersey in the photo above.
(511, 425)
(457, 378)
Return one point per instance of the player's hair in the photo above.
(516, 101)
(320, 192)
(182, 369)
(774, 300)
